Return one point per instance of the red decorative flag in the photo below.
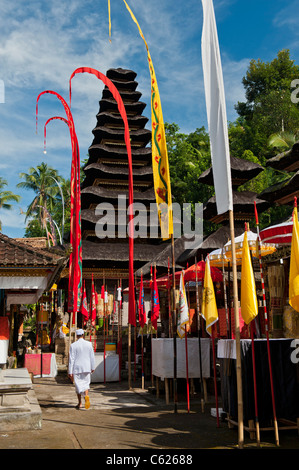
(155, 302)
(141, 306)
(75, 262)
(122, 111)
(84, 307)
(103, 292)
(92, 305)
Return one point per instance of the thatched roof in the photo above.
(118, 175)
(283, 192)
(241, 172)
(139, 137)
(121, 74)
(110, 105)
(243, 202)
(127, 95)
(97, 194)
(115, 170)
(115, 120)
(97, 251)
(161, 260)
(286, 161)
(119, 154)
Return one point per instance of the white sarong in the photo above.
(82, 381)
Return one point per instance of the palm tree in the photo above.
(283, 140)
(42, 180)
(6, 196)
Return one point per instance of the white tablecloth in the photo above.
(162, 357)
(111, 366)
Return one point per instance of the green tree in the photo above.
(268, 108)
(6, 197)
(41, 180)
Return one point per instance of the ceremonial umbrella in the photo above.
(198, 270)
(280, 234)
(265, 248)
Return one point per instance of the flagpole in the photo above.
(266, 326)
(215, 375)
(199, 339)
(174, 325)
(187, 371)
(257, 425)
(237, 334)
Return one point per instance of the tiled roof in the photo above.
(15, 253)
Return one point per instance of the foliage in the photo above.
(6, 197)
(268, 108)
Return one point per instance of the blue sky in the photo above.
(42, 43)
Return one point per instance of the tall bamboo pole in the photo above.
(174, 325)
(237, 334)
(199, 339)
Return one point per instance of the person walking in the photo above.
(81, 366)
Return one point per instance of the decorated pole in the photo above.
(122, 111)
(75, 263)
(199, 338)
(266, 325)
(220, 153)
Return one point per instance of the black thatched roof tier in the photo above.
(219, 238)
(114, 121)
(99, 173)
(286, 161)
(108, 154)
(241, 172)
(128, 96)
(119, 74)
(283, 192)
(118, 251)
(129, 85)
(243, 203)
(90, 216)
(132, 109)
(162, 259)
(98, 194)
(105, 135)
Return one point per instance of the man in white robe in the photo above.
(81, 366)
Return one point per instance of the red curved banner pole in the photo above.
(75, 263)
(45, 127)
(122, 111)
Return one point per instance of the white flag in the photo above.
(183, 316)
(216, 109)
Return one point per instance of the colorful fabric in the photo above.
(294, 264)
(141, 306)
(84, 306)
(159, 150)
(92, 305)
(155, 302)
(183, 313)
(75, 262)
(249, 305)
(209, 306)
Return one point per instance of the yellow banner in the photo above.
(294, 264)
(209, 307)
(159, 150)
(249, 306)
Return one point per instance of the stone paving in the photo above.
(125, 419)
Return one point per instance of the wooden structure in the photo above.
(26, 272)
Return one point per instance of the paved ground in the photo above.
(125, 419)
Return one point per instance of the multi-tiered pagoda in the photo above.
(104, 191)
